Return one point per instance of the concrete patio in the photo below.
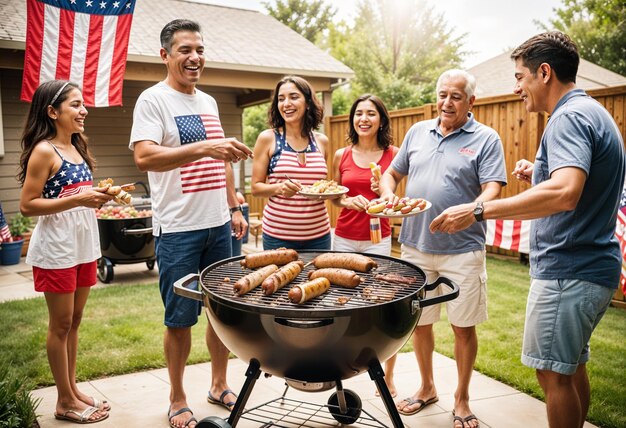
(142, 398)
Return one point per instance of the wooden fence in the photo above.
(519, 130)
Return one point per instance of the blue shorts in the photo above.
(321, 243)
(181, 253)
(560, 317)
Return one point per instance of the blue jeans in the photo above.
(181, 253)
(321, 243)
(560, 318)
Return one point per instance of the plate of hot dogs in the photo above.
(404, 207)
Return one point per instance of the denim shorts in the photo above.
(181, 253)
(321, 243)
(561, 314)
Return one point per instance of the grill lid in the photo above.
(371, 292)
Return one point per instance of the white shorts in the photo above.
(383, 248)
(468, 270)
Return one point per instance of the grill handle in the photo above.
(417, 304)
(180, 287)
(143, 231)
(304, 323)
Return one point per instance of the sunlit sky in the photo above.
(492, 26)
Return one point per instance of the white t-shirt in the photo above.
(191, 197)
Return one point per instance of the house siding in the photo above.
(108, 130)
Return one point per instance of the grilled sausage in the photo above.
(282, 277)
(410, 206)
(304, 292)
(253, 280)
(278, 257)
(351, 261)
(342, 277)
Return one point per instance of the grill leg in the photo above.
(377, 374)
(252, 374)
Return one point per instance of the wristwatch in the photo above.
(235, 209)
(478, 211)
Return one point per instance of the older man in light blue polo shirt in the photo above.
(449, 160)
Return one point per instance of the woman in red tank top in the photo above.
(370, 140)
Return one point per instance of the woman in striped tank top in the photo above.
(286, 157)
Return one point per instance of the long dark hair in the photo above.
(39, 126)
(314, 113)
(384, 138)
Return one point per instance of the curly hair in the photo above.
(384, 138)
(40, 126)
(554, 48)
(314, 112)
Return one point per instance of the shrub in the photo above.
(17, 407)
(18, 225)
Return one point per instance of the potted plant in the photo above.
(21, 228)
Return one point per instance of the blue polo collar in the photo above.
(469, 126)
(565, 98)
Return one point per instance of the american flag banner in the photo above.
(5, 233)
(509, 235)
(620, 228)
(83, 41)
(206, 173)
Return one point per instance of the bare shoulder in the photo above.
(321, 138)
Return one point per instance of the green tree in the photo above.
(599, 29)
(309, 18)
(254, 121)
(397, 50)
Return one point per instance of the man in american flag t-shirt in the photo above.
(178, 139)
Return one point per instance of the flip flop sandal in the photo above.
(465, 420)
(178, 412)
(102, 405)
(410, 401)
(83, 418)
(220, 402)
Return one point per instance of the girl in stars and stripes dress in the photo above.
(286, 157)
(55, 172)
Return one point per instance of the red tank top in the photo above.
(352, 224)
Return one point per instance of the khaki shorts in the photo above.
(468, 270)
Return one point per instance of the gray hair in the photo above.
(171, 28)
(470, 80)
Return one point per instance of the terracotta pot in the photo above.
(26, 236)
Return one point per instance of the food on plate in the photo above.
(376, 206)
(280, 256)
(403, 206)
(112, 212)
(376, 172)
(249, 282)
(394, 278)
(342, 277)
(282, 277)
(351, 261)
(323, 187)
(301, 293)
(121, 194)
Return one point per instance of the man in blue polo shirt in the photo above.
(575, 260)
(449, 160)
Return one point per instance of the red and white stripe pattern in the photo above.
(509, 234)
(206, 173)
(83, 41)
(620, 232)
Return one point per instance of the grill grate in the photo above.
(370, 292)
(287, 413)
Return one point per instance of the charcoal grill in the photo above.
(316, 345)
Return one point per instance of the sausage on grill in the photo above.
(253, 280)
(279, 257)
(342, 277)
(301, 293)
(350, 261)
(282, 277)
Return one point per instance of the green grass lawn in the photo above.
(122, 333)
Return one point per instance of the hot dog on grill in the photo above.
(279, 257)
(282, 277)
(253, 280)
(304, 292)
(350, 261)
(342, 277)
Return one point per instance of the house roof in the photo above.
(495, 76)
(235, 39)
